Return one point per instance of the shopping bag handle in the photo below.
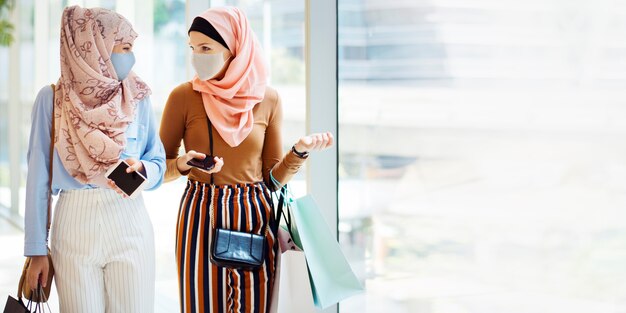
(284, 192)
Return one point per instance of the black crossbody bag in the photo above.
(235, 249)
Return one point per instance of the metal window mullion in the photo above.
(14, 120)
(321, 105)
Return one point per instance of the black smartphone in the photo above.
(129, 183)
(207, 164)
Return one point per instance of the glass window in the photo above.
(5, 173)
(481, 166)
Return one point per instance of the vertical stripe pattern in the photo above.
(205, 287)
(103, 252)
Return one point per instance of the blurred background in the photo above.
(481, 165)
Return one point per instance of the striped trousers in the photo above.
(103, 253)
(205, 287)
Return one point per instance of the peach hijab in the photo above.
(92, 107)
(228, 102)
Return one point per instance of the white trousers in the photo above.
(103, 253)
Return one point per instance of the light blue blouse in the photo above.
(143, 143)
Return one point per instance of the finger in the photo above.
(43, 279)
(306, 141)
(219, 163)
(32, 279)
(312, 143)
(331, 140)
(323, 141)
(189, 155)
(114, 187)
(327, 140)
(134, 168)
(217, 168)
(132, 164)
(317, 141)
(198, 155)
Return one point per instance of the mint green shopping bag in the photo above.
(330, 275)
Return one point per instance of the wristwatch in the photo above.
(302, 155)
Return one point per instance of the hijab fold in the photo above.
(228, 102)
(92, 107)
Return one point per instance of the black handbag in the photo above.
(242, 250)
(236, 249)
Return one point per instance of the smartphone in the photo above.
(129, 183)
(207, 164)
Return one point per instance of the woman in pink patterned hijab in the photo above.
(99, 112)
(93, 107)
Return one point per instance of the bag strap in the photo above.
(277, 213)
(280, 213)
(22, 278)
(210, 141)
(51, 161)
(274, 220)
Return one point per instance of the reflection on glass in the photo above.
(5, 192)
(170, 44)
(481, 164)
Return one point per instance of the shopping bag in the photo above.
(285, 242)
(15, 306)
(330, 275)
(37, 304)
(295, 293)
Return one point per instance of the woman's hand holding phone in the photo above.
(196, 159)
(134, 166)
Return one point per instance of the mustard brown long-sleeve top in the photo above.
(184, 119)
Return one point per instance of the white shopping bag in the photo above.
(292, 291)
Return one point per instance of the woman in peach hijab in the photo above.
(227, 113)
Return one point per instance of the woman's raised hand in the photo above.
(314, 142)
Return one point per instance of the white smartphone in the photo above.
(130, 183)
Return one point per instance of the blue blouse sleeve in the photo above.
(38, 157)
(153, 156)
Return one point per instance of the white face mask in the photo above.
(207, 65)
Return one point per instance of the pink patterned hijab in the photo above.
(93, 108)
(229, 101)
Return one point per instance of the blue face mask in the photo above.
(123, 63)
